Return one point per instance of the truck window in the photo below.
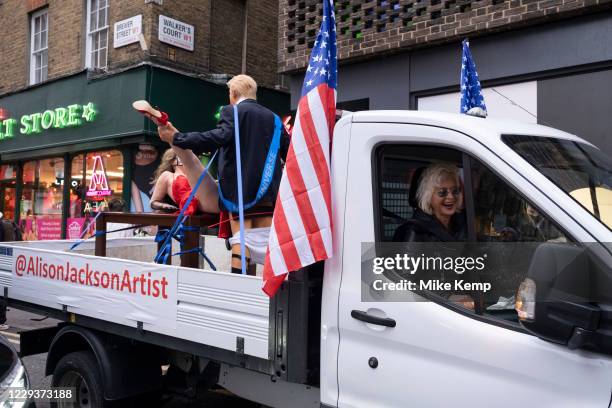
(502, 214)
(499, 215)
(400, 168)
(582, 171)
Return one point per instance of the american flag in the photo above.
(471, 94)
(301, 225)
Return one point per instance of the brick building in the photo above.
(69, 139)
(548, 61)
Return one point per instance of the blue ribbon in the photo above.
(98, 233)
(81, 240)
(163, 234)
(240, 196)
(269, 166)
(177, 228)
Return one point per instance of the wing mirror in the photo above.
(566, 298)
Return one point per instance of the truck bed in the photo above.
(219, 309)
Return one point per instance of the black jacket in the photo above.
(256, 131)
(426, 228)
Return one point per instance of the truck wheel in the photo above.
(79, 371)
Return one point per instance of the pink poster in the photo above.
(49, 227)
(42, 228)
(74, 227)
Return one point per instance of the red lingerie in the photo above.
(181, 190)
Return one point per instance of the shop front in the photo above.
(71, 146)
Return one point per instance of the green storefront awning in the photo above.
(77, 113)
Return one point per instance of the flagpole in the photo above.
(240, 199)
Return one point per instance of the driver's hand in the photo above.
(463, 300)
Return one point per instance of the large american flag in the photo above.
(471, 93)
(301, 232)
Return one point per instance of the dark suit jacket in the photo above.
(256, 131)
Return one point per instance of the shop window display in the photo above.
(96, 178)
(41, 199)
(145, 161)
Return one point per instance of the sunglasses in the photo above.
(443, 192)
(177, 162)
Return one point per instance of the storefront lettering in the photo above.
(58, 118)
(7, 128)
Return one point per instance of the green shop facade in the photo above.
(69, 146)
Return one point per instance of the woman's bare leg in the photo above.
(207, 194)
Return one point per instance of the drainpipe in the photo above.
(245, 36)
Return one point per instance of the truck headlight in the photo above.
(525, 300)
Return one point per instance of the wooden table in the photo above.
(191, 240)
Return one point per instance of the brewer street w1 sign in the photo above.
(127, 31)
(176, 33)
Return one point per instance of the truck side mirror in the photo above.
(559, 300)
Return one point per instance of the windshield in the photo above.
(582, 171)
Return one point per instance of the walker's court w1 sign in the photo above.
(176, 33)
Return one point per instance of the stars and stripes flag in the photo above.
(471, 93)
(301, 231)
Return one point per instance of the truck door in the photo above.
(449, 352)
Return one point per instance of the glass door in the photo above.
(8, 174)
(7, 205)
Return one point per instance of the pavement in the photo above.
(19, 320)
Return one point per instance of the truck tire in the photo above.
(79, 371)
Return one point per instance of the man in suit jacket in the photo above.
(257, 126)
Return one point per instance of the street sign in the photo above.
(127, 31)
(176, 33)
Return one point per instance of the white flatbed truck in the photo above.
(316, 343)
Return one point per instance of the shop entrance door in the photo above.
(7, 203)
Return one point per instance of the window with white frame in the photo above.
(97, 33)
(39, 47)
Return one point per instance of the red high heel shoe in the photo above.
(158, 117)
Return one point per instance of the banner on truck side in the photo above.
(121, 291)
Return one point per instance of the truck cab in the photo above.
(382, 352)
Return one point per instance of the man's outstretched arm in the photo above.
(204, 142)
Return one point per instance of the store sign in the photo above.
(176, 33)
(127, 31)
(98, 185)
(58, 118)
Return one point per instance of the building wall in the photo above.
(226, 40)
(367, 29)
(566, 66)
(66, 41)
(218, 38)
(13, 52)
(194, 12)
(121, 10)
(262, 60)
(579, 104)
(384, 82)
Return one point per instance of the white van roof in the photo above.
(471, 125)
